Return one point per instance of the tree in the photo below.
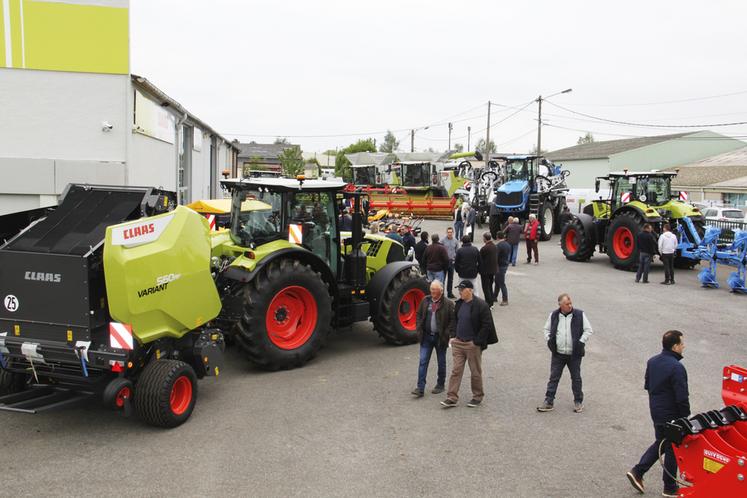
(459, 147)
(390, 143)
(342, 165)
(481, 147)
(291, 161)
(253, 164)
(281, 141)
(586, 139)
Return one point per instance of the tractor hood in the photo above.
(681, 209)
(514, 186)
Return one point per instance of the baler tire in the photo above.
(272, 351)
(629, 225)
(398, 307)
(576, 244)
(11, 382)
(166, 393)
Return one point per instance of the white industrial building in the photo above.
(80, 116)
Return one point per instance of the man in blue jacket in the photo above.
(668, 399)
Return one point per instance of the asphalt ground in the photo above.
(346, 425)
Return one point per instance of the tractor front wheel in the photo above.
(287, 316)
(166, 393)
(577, 245)
(398, 309)
(546, 221)
(622, 246)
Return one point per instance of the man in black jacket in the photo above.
(473, 332)
(668, 399)
(435, 326)
(566, 332)
(488, 267)
(420, 248)
(436, 260)
(467, 261)
(646, 250)
(504, 255)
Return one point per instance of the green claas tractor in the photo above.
(117, 295)
(636, 198)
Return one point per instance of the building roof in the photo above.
(713, 171)
(370, 158)
(607, 148)
(262, 151)
(166, 101)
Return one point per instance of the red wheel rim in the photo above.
(570, 241)
(408, 308)
(181, 395)
(291, 317)
(123, 394)
(622, 242)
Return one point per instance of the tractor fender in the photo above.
(640, 212)
(587, 222)
(302, 255)
(380, 281)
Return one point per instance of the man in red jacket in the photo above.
(531, 235)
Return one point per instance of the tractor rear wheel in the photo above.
(11, 382)
(546, 221)
(166, 393)
(622, 247)
(397, 315)
(577, 245)
(287, 316)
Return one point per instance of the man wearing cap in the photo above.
(473, 332)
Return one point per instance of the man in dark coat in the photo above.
(435, 326)
(566, 332)
(408, 238)
(420, 251)
(513, 237)
(467, 261)
(473, 332)
(504, 255)
(436, 260)
(646, 250)
(668, 399)
(488, 267)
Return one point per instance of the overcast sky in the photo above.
(258, 69)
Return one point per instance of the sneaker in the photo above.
(637, 281)
(635, 481)
(545, 407)
(449, 403)
(438, 390)
(473, 403)
(536, 262)
(417, 393)
(671, 494)
(578, 407)
(504, 303)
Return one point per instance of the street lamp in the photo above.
(539, 117)
(412, 137)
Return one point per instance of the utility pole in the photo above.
(487, 140)
(450, 127)
(539, 125)
(469, 132)
(412, 140)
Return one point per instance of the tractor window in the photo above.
(657, 191)
(516, 170)
(315, 212)
(416, 175)
(623, 187)
(365, 175)
(257, 221)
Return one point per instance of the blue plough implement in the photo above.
(708, 249)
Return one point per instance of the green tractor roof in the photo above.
(639, 174)
(282, 184)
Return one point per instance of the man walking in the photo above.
(488, 268)
(420, 248)
(531, 234)
(667, 248)
(451, 244)
(646, 249)
(474, 331)
(435, 326)
(467, 261)
(436, 260)
(566, 331)
(513, 237)
(503, 249)
(470, 223)
(458, 222)
(668, 399)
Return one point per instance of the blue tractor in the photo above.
(533, 185)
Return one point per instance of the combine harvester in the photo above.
(711, 447)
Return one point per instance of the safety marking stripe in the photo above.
(120, 336)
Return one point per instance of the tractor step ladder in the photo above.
(534, 204)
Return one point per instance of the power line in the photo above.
(646, 125)
(679, 101)
(597, 132)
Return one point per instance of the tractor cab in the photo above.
(520, 174)
(416, 175)
(366, 175)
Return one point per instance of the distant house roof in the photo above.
(262, 151)
(607, 148)
(716, 171)
(368, 158)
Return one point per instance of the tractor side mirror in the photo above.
(596, 185)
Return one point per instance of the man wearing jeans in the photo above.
(566, 332)
(504, 253)
(435, 325)
(646, 250)
(513, 237)
(451, 244)
(436, 260)
(667, 248)
(474, 331)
